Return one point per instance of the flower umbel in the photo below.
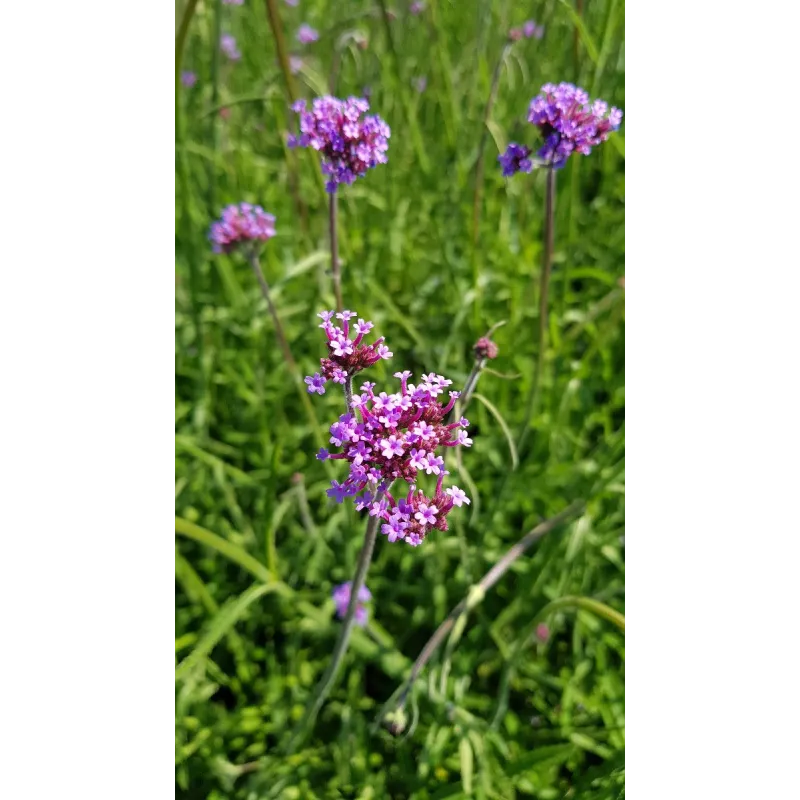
(568, 123)
(390, 437)
(349, 144)
(241, 224)
(341, 598)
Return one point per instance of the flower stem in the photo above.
(476, 595)
(252, 258)
(335, 266)
(544, 288)
(327, 681)
(348, 394)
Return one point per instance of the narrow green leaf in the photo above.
(466, 758)
(503, 425)
(225, 619)
(226, 548)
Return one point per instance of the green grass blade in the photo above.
(221, 624)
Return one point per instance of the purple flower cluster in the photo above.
(515, 159)
(346, 356)
(349, 144)
(306, 34)
(228, 46)
(341, 598)
(389, 437)
(241, 224)
(568, 122)
(529, 30)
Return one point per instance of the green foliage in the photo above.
(497, 713)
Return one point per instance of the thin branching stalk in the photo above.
(334, 237)
(216, 28)
(474, 597)
(327, 681)
(252, 258)
(544, 288)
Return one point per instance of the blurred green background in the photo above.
(498, 713)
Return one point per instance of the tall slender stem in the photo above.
(477, 593)
(327, 681)
(335, 266)
(274, 18)
(544, 287)
(348, 394)
(252, 257)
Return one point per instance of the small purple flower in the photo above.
(384, 352)
(341, 599)
(338, 491)
(228, 45)
(232, 2)
(188, 79)
(316, 383)
(417, 7)
(306, 34)
(340, 376)
(463, 438)
(433, 464)
(391, 447)
(529, 28)
(323, 453)
(515, 159)
(394, 529)
(426, 514)
(326, 317)
(291, 3)
(241, 224)
(458, 496)
(295, 64)
(417, 460)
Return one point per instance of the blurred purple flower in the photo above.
(295, 64)
(421, 83)
(568, 123)
(341, 599)
(241, 224)
(349, 144)
(228, 45)
(232, 2)
(188, 79)
(542, 632)
(417, 7)
(292, 3)
(306, 34)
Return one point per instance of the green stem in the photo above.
(544, 287)
(214, 120)
(252, 258)
(325, 685)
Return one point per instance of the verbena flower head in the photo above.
(341, 599)
(188, 79)
(241, 224)
(306, 34)
(568, 123)
(228, 45)
(349, 144)
(390, 437)
(485, 348)
(346, 356)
